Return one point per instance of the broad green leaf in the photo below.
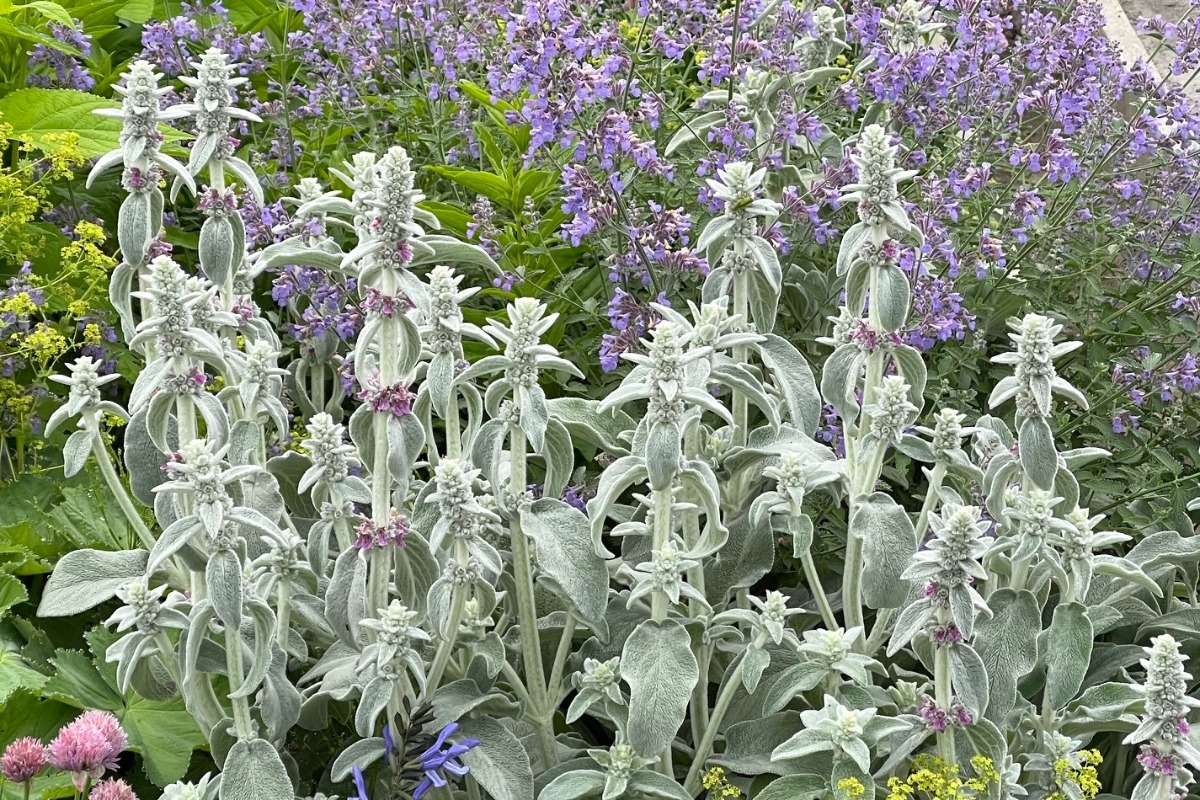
(661, 670)
(15, 673)
(888, 545)
(165, 735)
(1068, 653)
(1007, 643)
(40, 113)
(565, 553)
(499, 763)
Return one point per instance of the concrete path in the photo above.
(1122, 16)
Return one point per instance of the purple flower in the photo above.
(439, 758)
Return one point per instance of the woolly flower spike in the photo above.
(1167, 748)
(1030, 518)
(23, 759)
(391, 228)
(213, 110)
(845, 731)
(1035, 378)
(739, 185)
(204, 789)
(875, 191)
(140, 113)
(816, 49)
(835, 650)
(908, 23)
(461, 516)
(892, 412)
(360, 175)
(1077, 544)
(444, 329)
(443, 758)
(112, 789)
(331, 455)
(661, 574)
(144, 609)
(87, 747)
(84, 399)
(393, 651)
(949, 565)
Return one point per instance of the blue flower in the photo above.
(439, 757)
(360, 784)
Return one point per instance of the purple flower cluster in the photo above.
(941, 719)
(370, 536)
(630, 319)
(49, 67)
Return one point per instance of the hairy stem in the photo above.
(531, 648)
(113, 481)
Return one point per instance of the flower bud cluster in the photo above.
(397, 637)
(528, 323)
(142, 607)
(369, 536)
(892, 412)
(201, 467)
(460, 513)
(908, 23)
(1030, 519)
(140, 137)
(1165, 732)
(952, 557)
(213, 85)
(875, 191)
(666, 375)
(391, 214)
(327, 447)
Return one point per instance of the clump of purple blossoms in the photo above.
(51, 68)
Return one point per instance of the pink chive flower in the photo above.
(112, 789)
(23, 759)
(88, 746)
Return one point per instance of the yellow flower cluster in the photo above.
(718, 786)
(20, 203)
(62, 153)
(15, 399)
(850, 789)
(1080, 772)
(19, 305)
(936, 779)
(42, 344)
(83, 263)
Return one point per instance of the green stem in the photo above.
(741, 406)
(241, 705)
(661, 500)
(453, 431)
(931, 499)
(944, 696)
(531, 646)
(458, 600)
(560, 659)
(818, 591)
(284, 604)
(692, 783)
(118, 489)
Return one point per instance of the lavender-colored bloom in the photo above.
(441, 758)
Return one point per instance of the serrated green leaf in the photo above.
(37, 113)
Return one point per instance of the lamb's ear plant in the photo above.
(415, 579)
